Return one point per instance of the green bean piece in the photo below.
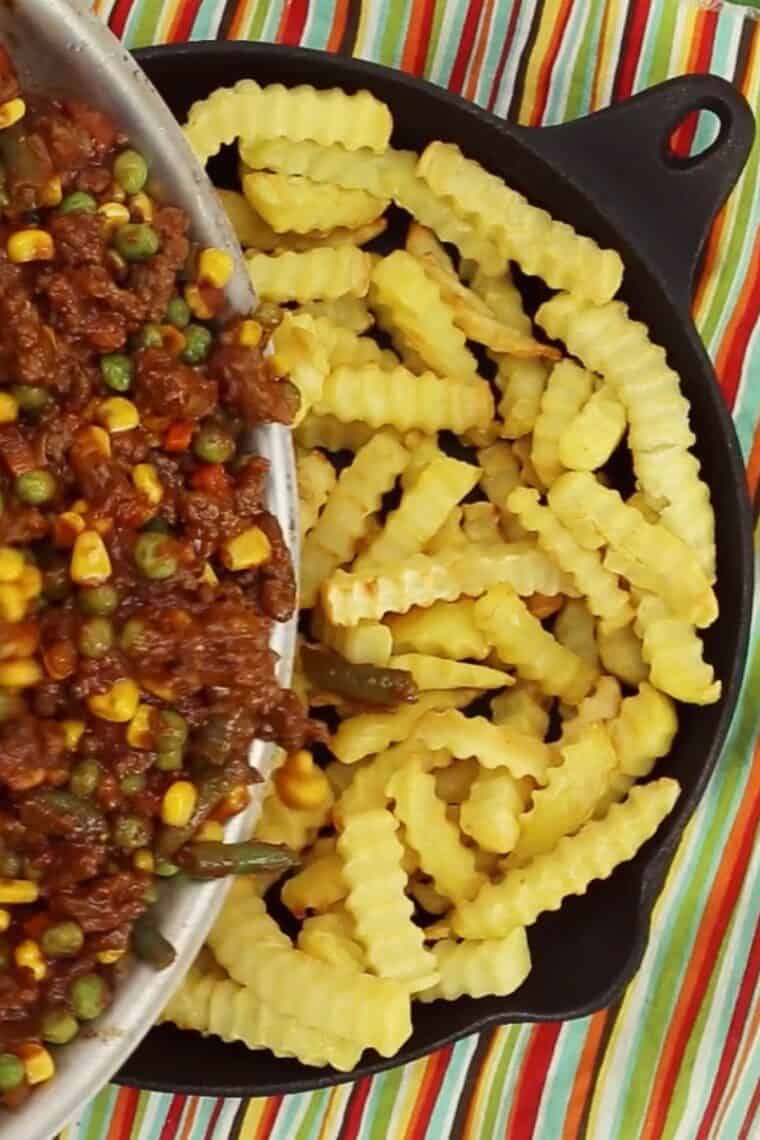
(62, 939)
(150, 336)
(30, 397)
(136, 241)
(171, 732)
(133, 784)
(12, 1072)
(130, 832)
(78, 202)
(150, 945)
(132, 632)
(96, 637)
(97, 601)
(208, 859)
(10, 865)
(35, 487)
(55, 811)
(154, 557)
(131, 171)
(58, 1027)
(213, 444)
(171, 760)
(87, 996)
(197, 344)
(117, 370)
(11, 705)
(369, 684)
(178, 313)
(84, 778)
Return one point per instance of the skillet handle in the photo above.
(664, 205)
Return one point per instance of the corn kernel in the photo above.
(300, 782)
(198, 307)
(8, 408)
(143, 860)
(11, 112)
(114, 214)
(18, 891)
(99, 439)
(81, 506)
(11, 564)
(30, 245)
(117, 414)
(178, 804)
(108, 957)
(141, 206)
(29, 955)
(12, 602)
(118, 704)
(208, 575)
(249, 334)
(215, 266)
(67, 526)
(38, 1064)
(248, 549)
(210, 830)
(147, 482)
(72, 732)
(139, 729)
(21, 673)
(157, 688)
(5, 919)
(52, 192)
(90, 563)
(30, 582)
(172, 339)
(236, 800)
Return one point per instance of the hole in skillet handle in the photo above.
(663, 202)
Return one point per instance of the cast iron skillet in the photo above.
(612, 176)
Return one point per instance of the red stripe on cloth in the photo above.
(717, 914)
(749, 1119)
(352, 1120)
(268, 1118)
(123, 1115)
(733, 1037)
(530, 1086)
(173, 1117)
(293, 21)
(338, 24)
(501, 65)
(547, 65)
(119, 16)
(418, 37)
(182, 25)
(629, 60)
(753, 465)
(215, 1113)
(699, 61)
(733, 347)
(467, 39)
(430, 1086)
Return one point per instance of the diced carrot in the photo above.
(212, 478)
(178, 435)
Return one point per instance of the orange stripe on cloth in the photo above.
(418, 36)
(123, 1114)
(584, 1076)
(338, 25)
(471, 86)
(744, 318)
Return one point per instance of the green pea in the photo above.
(178, 313)
(98, 601)
(30, 397)
(171, 732)
(132, 784)
(87, 995)
(154, 559)
(62, 940)
(197, 344)
(96, 637)
(12, 1072)
(84, 778)
(149, 336)
(10, 865)
(130, 832)
(131, 634)
(116, 369)
(136, 241)
(131, 171)
(157, 525)
(59, 1027)
(35, 487)
(213, 444)
(78, 202)
(165, 869)
(5, 953)
(170, 760)
(11, 705)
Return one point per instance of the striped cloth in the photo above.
(674, 1058)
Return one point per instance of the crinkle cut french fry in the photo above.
(300, 355)
(324, 273)
(422, 242)
(295, 827)
(567, 390)
(250, 229)
(648, 554)
(522, 383)
(602, 704)
(480, 523)
(394, 945)
(368, 790)
(433, 836)
(590, 437)
(520, 640)
(605, 598)
(643, 730)
(421, 580)
(295, 113)
(522, 232)
(445, 629)
(339, 325)
(421, 512)
(388, 175)
(441, 673)
(573, 789)
(291, 203)
(405, 297)
(524, 708)
(453, 783)
(448, 536)
(369, 642)
(368, 733)
(501, 474)
(575, 628)
(316, 479)
(673, 651)
(496, 746)
(331, 433)
(424, 449)
(620, 653)
(601, 845)
(609, 342)
(316, 887)
(402, 400)
(502, 297)
(356, 496)
(425, 895)
(331, 937)
(479, 969)
(490, 813)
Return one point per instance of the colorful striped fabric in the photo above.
(678, 1056)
